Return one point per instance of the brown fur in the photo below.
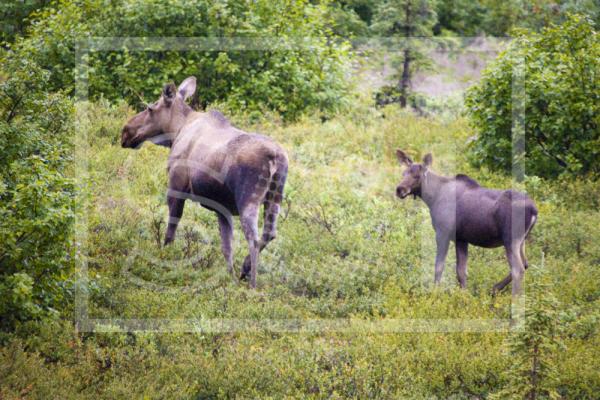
(227, 170)
(466, 213)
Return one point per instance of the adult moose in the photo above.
(466, 213)
(227, 170)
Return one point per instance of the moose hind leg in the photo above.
(249, 220)
(462, 252)
(272, 207)
(502, 284)
(226, 231)
(517, 270)
(522, 252)
(442, 241)
(175, 212)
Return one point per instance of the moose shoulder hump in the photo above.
(468, 181)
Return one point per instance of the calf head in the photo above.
(161, 120)
(413, 175)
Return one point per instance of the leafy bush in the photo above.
(562, 102)
(36, 195)
(14, 16)
(287, 81)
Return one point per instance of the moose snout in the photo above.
(401, 192)
(126, 136)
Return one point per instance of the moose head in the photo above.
(160, 121)
(413, 176)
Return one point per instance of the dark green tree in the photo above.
(532, 374)
(15, 17)
(406, 21)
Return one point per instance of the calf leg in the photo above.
(502, 284)
(175, 212)
(522, 252)
(249, 220)
(442, 242)
(462, 252)
(226, 231)
(517, 270)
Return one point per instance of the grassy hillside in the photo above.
(348, 252)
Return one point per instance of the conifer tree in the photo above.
(533, 344)
(407, 19)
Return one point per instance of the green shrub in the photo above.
(36, 194)
(561, 102)
(287, 81)
(14, 16)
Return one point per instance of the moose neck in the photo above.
(180, 120)
(430, 187)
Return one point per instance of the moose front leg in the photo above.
(442, 241)
(175, 212)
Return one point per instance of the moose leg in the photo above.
(462, 252)
(522, 252)
(272, 206)
(442, 242)
(175, 212)
(249, 220)
(513, 253)
(226, 231)
(502, 284)
(269, 232)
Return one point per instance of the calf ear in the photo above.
(427, 160)
(403, 158)
(187, 87)
(169, 92)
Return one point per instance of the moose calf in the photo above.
(466, 213)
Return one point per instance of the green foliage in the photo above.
(404, 22)
(287, 81)
(347, 250)
(561, 102)
(36, 195)
(14, 16)
(351, 17)
(498, 18)
(463, 17)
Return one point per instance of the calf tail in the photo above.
(531, 214)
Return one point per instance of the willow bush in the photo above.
(561, 98)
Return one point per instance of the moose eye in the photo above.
(150, 109)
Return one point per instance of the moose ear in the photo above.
(427, 160)
(187, 87)
(403, 158)
(169, 92)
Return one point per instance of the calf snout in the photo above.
(127, 135)
(402, 192)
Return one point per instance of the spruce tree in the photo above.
(533, 344)
(407, 19)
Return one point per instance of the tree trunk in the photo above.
(405, 79)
